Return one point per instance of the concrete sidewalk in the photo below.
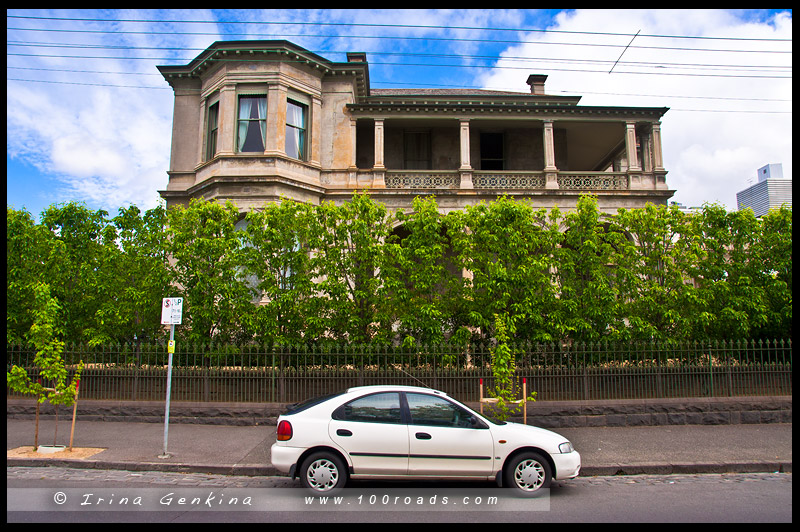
(245, 450)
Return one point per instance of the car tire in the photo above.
(323, 473)
(528, 474)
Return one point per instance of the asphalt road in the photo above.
(97, 496)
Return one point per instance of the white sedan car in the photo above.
(407, 432)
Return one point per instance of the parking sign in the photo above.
(172, 311)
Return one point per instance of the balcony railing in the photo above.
(452, 179)
(436, 179)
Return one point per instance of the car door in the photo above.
(372, 432)
(443, 442)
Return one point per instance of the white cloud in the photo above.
(111, 145)
(709, 155)
(106, 145)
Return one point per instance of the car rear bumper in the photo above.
(568, 465)
(284, 457)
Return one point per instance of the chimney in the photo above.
(356, 57)
(536, 81)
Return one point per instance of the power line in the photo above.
(416, 54)
(435, 65)
(419, 85)
(426, 39)
(372, 25)
(410, 54)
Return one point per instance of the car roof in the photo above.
(398, 388)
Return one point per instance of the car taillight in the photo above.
(284, 431)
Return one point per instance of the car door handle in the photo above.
(344, 432)
(423, 436)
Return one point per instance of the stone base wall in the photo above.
(547, 414)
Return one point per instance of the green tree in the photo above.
(508, 248)
(208, 266)
(58, 388)
(27, 251)
(772, 258)
(350, 251)
(278, 257)
(589, 300)
(416, 274)
(75, 265)
(652, 272)
(135, 277)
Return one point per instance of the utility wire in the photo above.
(371, 25)
(428, 39)
(420, 85)
(436, 65)
(424, 55)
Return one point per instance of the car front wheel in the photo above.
(528, 474)
(323, 472)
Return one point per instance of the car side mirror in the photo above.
(476, 423)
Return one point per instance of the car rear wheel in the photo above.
(528, 474)
(323, 472)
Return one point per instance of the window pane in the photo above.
(252, 123)
(378, 408)
(294, 115)
(295, 130)
(431, 410)
(211, 142)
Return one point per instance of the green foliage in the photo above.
(27, 249)
(135, 274)
(43, 335)
(208, 268)
(350, 254)
(416, 275)
(279, 261)
(295, 273)
(509, 250)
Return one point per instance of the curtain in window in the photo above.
(244, 114)
(262, 117)
(295, 130)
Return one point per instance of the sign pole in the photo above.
(171, 314)
(171, 350)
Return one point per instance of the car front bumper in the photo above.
(568, 465)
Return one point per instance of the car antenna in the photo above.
(416, 379)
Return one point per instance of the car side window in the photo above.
(375, 408)
(432, 410)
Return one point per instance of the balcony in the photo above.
(493, 180)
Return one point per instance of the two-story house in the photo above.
(257, 121)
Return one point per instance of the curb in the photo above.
(256, 471)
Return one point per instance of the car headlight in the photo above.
(566, 447)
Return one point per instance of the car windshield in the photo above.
(305, 405)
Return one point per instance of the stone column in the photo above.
(634, 168)
(630, 147)
(202, 148)
(379, 170)
(314, 130)
(276, 121)
(658, 158)
(379, 144)
(465, 170)
(550, 169)
(226, 132)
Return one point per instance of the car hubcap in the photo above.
(322, 475)
(529, 475)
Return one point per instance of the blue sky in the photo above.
(89, 118)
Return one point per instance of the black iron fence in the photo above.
(214, 373)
